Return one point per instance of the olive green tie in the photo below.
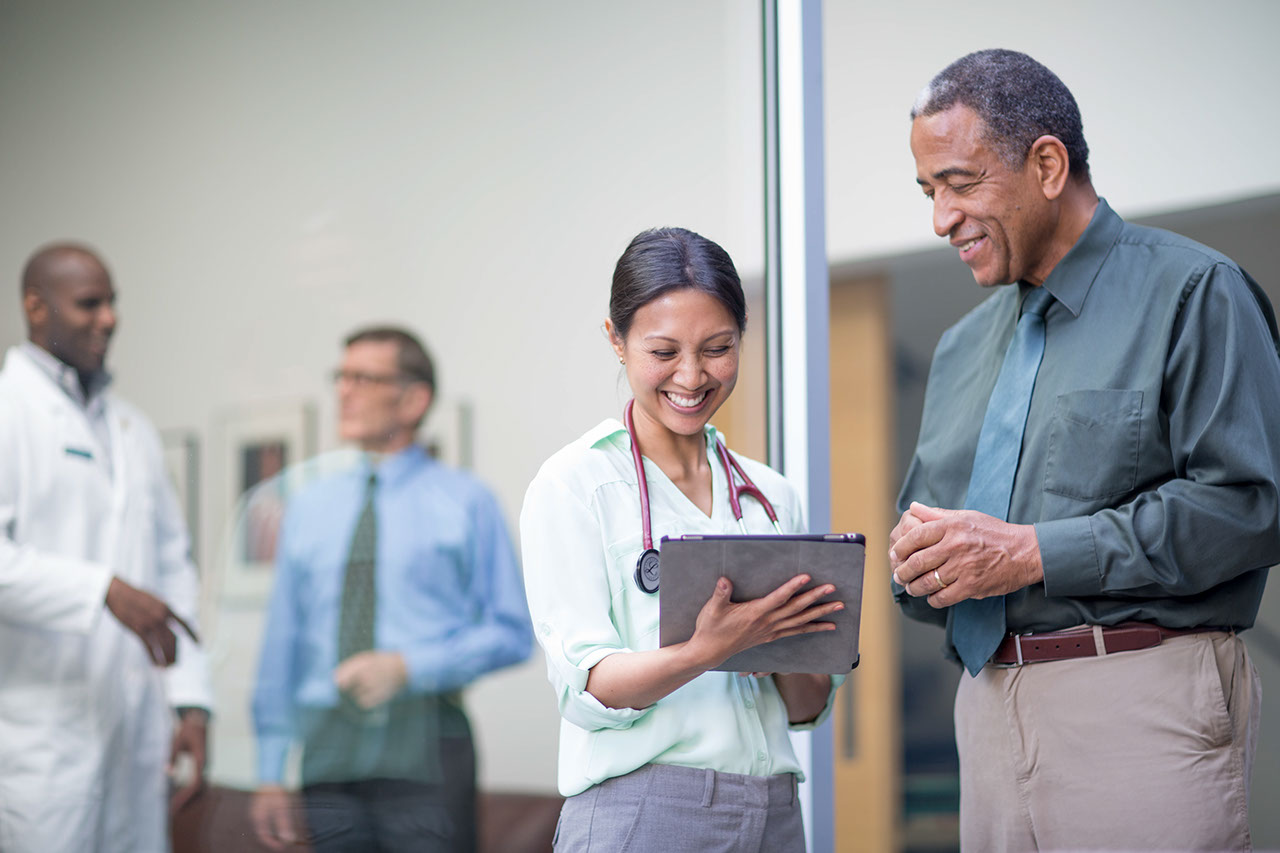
(359, 588)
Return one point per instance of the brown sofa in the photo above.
(217, 821)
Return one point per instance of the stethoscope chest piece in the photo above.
(648, 571)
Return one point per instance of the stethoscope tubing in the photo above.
(647, 566)
(646, 528)
(748, 487)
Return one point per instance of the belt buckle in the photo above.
(1017, 648)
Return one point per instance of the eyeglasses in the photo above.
(364, 380)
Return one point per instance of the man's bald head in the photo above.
(69, 304)
(48, 262)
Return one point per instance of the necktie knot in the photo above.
(1037, 302)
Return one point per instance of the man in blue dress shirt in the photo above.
(396, 586)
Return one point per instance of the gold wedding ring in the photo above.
(941, 583)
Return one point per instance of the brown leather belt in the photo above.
(1018, 649)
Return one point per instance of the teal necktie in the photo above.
(978, 624)
(359, 588)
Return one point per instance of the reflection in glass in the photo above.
(395, 587)
(293, 169)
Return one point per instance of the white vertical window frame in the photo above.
(797, 302)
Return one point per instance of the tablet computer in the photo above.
(757, 565)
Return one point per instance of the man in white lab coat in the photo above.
(97, 589)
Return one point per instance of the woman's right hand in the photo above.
(724, 628)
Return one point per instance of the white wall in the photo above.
(262, 177)
(1175, 99)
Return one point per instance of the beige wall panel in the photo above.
(867, 776)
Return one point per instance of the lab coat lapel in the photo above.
(74, 432)
(71, 435)
(37, 387)
(118, 428)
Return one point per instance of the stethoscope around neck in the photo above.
(648, 567)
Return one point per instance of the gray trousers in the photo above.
(670, 809)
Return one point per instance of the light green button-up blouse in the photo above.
(580, 530)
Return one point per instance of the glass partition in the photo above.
(261, 180)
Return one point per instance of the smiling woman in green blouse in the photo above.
(656, 750)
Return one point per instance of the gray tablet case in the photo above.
(757, 565)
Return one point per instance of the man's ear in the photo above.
(36, 309)
(417, 399)
(1053, 166)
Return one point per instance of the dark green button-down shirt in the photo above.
(1152, 448)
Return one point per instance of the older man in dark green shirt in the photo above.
(1092, 506)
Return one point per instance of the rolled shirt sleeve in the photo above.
(570, 600)
(810, 725)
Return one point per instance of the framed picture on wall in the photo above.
(182, 463)
(257, 447)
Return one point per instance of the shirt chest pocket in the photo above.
(77, 483)
(635, 612)
(439, 566)
(1094, 442)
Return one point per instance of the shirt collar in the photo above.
(611, 427)
(1071, 279)
(394, 468)
(65, 376)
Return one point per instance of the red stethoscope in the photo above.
(648, 570)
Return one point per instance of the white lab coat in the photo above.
(85, 719)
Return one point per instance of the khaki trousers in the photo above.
(1147, 750)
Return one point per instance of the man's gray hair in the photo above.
(1018, 100)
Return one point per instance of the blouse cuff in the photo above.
(580, 707)
(836, 681)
